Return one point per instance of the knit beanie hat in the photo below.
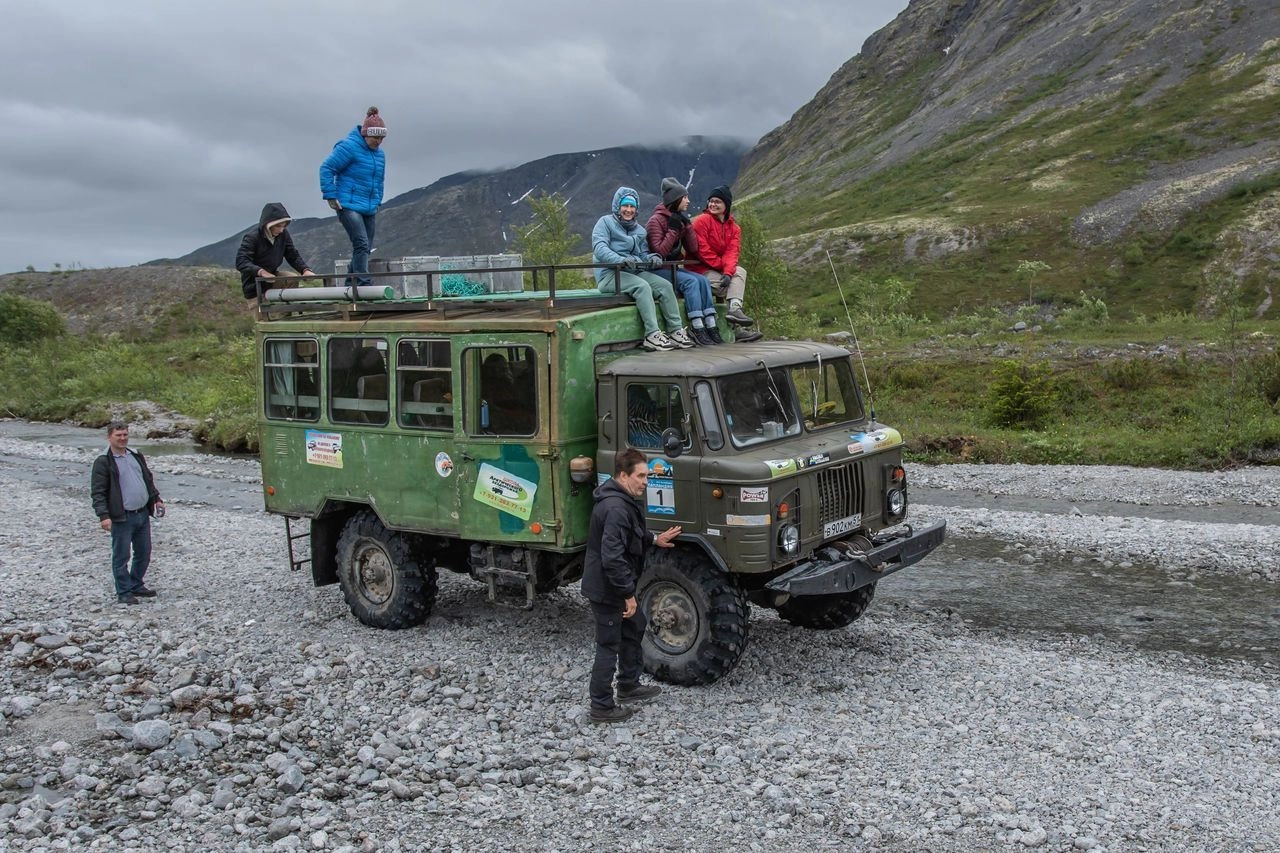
(724, 195)
(373, 124)
(672, 192)
(626, 199)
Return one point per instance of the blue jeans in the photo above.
(359, 227)
(696, 290)
(134, 533)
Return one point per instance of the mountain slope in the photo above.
(1129, 144)
(474, 213)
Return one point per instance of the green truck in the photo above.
(400, 436)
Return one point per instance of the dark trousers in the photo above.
(132, 534)
(617, 648)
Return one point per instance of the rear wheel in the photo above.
(697, 618)
(382, 580)
(827, 612)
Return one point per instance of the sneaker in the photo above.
(657, 342)
(737, 318)
(681, 339)
(746, 336)
(639, 693)
(144, 592)
(714, 334)
(616, 714)
(127, 598)
(700, 337)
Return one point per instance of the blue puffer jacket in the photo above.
(353, 173)
(613, 241)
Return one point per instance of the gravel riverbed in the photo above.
(244, 709)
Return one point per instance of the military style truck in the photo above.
(403, 435)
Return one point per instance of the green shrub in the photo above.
(1090, 312)
(1021, 396)
(1265, 371)
(25, 320)
(1130, 374)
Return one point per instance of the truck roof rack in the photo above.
(331, 295)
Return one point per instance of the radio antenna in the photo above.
(857, 346)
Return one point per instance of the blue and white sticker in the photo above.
(660, 496)
(444, 465)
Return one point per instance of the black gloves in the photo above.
(678, 221)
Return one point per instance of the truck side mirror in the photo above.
(672, 443)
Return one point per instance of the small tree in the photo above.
(25, 320)
(1029, 270)
(546, 240)
(768, 296)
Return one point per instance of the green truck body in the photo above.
(469, 435)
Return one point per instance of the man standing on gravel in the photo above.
(616, 544)
(125, 497)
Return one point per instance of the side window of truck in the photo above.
(358, 381)
(291, 379)
(505, 380)
(651, 408)
(424, 384)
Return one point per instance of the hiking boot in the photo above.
(681, 339)
(657, 342)
(127, 598)
(700, 337)
(746, 336)
(737, 318)
(714, 334)
(639, 693)
(616, 714)
(144, 592)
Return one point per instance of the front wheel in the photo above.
(382, 580)
(697, 618)
(827, 612)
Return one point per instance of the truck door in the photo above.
(648, 408)
(504, 477)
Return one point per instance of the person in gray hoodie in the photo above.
(618, 238)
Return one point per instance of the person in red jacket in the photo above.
(719, 241)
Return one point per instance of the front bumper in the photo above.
(833, 571)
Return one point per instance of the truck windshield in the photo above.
(759, 406)
(828, 393)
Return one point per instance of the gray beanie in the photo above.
(672, 192)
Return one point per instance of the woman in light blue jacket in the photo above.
(351, 181)
(619, 239)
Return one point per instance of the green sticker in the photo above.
(505, 491)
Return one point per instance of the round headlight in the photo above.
(789, 539)
(896, 501)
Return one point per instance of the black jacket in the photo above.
(615, 546)
(104, 487)
(257, 252)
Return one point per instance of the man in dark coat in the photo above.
(616, 545)
(265, 248)
(124, 498)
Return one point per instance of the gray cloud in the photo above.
(144, 128)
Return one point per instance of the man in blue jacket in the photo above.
(616, 542)
(351, 181)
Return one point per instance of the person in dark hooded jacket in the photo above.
(265, 248)
(616, 542)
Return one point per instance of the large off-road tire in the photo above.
(381, 577)
(827, 612)
(697, 618)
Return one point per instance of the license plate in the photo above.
(842, 526)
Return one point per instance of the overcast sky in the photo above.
(137, 129)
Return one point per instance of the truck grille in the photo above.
(839, 492)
